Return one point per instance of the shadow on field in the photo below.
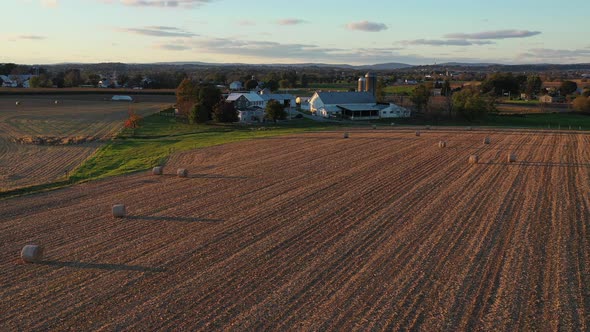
(108, 267)
(539, 164)
(176, 219)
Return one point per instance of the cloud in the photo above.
(448, 42)
(31, 37)
(246, 23)
(366, 26)
(291, 21)
(499, 34)
(160, 3)
(49, 3)
(173, 47)
(159, 31)
(536, 55)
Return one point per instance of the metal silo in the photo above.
(362, 84)
(371, 83)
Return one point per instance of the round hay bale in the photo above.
(417, 132)
(182, 172)
(158, 170)
(473, 159)
(393, 123)
(469, 128)
(56, 102)
(487, 140)
(427, 127)
(119, 211)
(345, 135)
(511, 158)
(32, 253)
(17, 103)
(442, 144)
(374, 126)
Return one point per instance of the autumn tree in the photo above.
(568, 87)
(582, 104)
(533, 86)
(204, 96)
(251, 84)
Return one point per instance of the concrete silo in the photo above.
(371, 83)
(362, 86)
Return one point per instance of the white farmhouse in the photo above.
(244, 100)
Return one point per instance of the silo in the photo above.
(362, 84)
(371, 83)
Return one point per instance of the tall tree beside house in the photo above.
(272, 85)
(225, 112)
(533, 86)
(190, 94)
(420, 96)
(251, 84)
(568, 87)
(275, 110)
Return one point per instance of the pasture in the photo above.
(80, 118)
(384, 230)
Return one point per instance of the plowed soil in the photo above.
(23, 165)
(381, 231)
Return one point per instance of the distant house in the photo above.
(251, 114)
(244, 100)
(15, 81)
(236, 86)
(353, 106)
(303, 103)
(547, 99)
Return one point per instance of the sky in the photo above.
(295, 31)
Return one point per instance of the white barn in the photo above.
(353, 106)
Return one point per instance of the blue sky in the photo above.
(295, 31)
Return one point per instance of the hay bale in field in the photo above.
(393, 123)
(473, 159)
(32, 253)
(158, 170)
(469, 128)
(182, 172)
(56, 102)
(417, 132)
(442, 144)
(427, 127)
(119, 211)
(17, 103)
(487, 140)
(374, 126)
(511, 158)
(345, 135)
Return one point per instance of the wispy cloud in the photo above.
(446, 42)
(246, 23)
(32, 37)
(49, 3)
(159, 31)
(291, 21)
(366, 26)
(161, 3)
(498, 34)
(557, 55)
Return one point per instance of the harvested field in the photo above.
(383, 230)
(74, 119)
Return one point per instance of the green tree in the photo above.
(275, 110)
(500, 83)
(420, 96)
(251, 84)
(187, 96)
(284, 84)
(93, 79)
(470, 104)
(304, 81)
(72, 78)
(380, 90)
(190, 93)
(273, 85)
(533, 85)
(446, 89)
(567, 88)
(225, 112)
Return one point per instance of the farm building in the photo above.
(236, 85)
(303, 103)
(251, 114)
(244, 100)
(15, 81)
(354, 106)
(121, 98)
(548, 99)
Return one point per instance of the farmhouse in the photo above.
(548, 99)
(353, 106)
(244, 100)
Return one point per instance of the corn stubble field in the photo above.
(73, 117)
(384, 230)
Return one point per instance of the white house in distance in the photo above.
(251, 105)
(14, 81)
(353, 106)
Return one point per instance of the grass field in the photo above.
(74, 116)
(399, 89)
(381, 231)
